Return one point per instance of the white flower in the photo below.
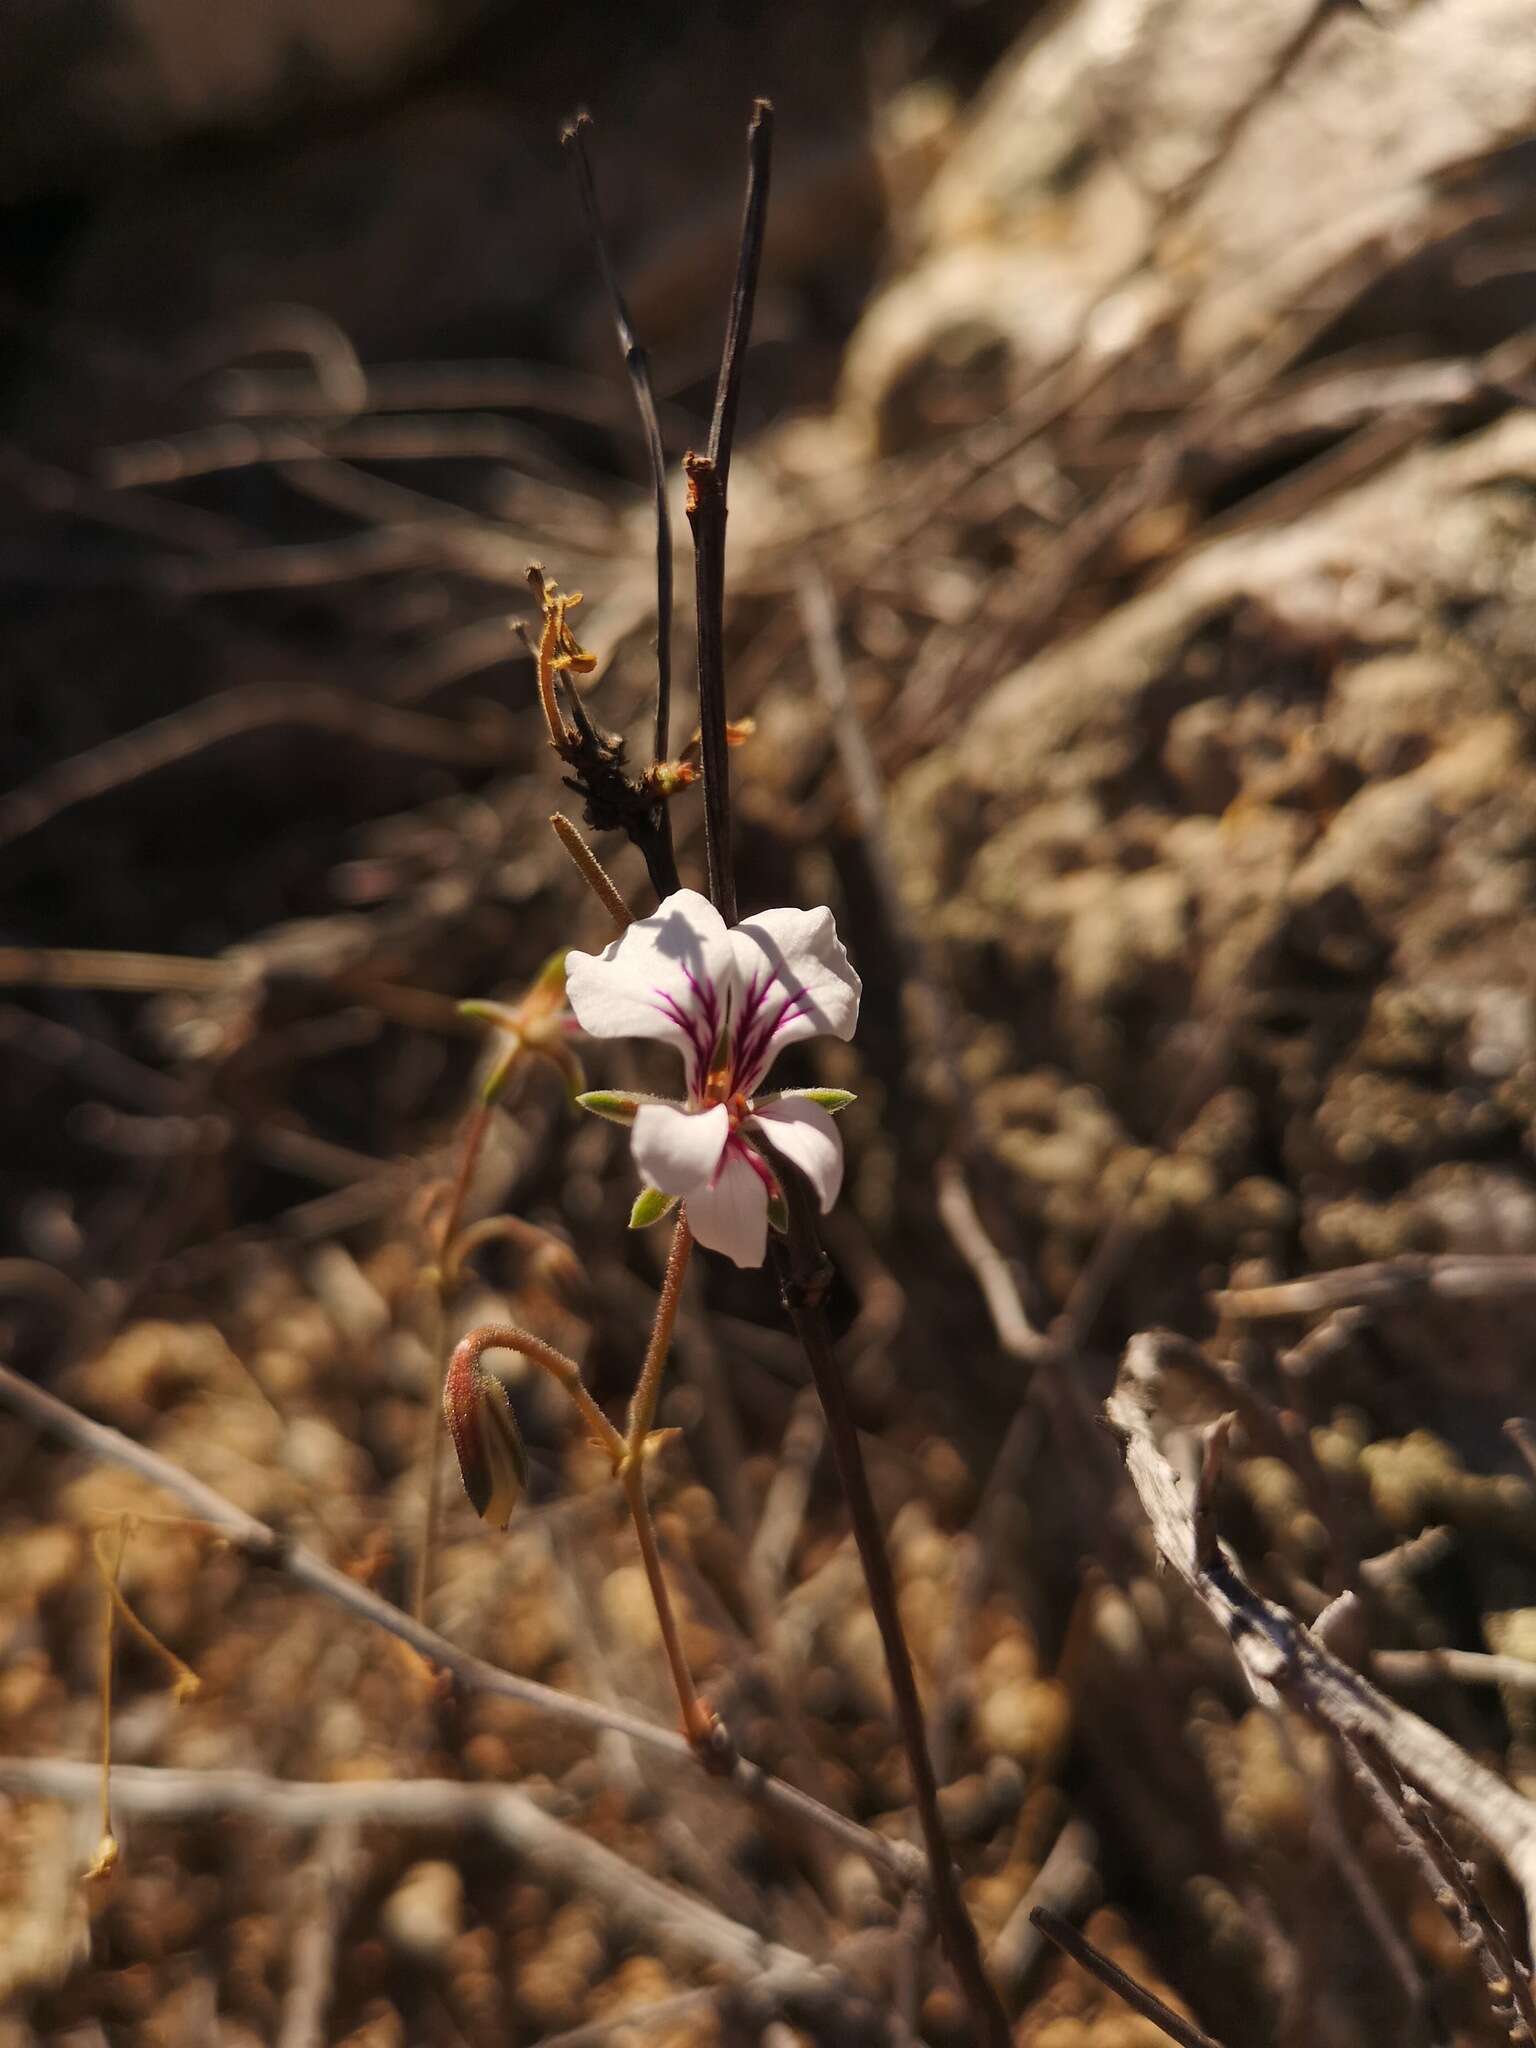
(728, 999)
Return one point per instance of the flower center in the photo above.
(719, 1086)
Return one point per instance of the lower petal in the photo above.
(732, 1216)
(809, 1139)
(677, 1150)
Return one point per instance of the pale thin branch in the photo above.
(1284, 1661)
(324, 1887)
(502, 1812)
(1412, 1827)
(265, 1546)
(1523, 1437)
(1068, 1881)
(132, 973)
(763, 1976)
(1015, 1332)
(633, 2020)
(1390, 1283)
(444, 387)
(1467, 1667)
(789, 1491)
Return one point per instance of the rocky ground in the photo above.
(1130, 582)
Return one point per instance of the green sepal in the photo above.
(484, 1011)
(502, 1070)
(611, 1103)
(778, 1214)
(551, 976)
(830, 1099)
(650, 1206)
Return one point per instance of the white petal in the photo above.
(809, 1139)
(794, 982)
(732, 1216)
(670, 976)
(676, 1150)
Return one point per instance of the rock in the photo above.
(1258, 784)
(1174, 165)
(424, 1915)
(83, 84)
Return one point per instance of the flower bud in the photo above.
(492, 1461)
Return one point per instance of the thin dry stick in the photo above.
(1523, 1437)
(1136, 1996)
(325, 1887)
(1068, 1880)
(1282, 1660)
(106, 1848)
(263, 1545)
(1468, 1667)
(1390, 1283)
(503, 1813)
(133, 973)
(1411, 1825)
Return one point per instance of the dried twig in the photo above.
(1523, 1437)
(559, 1852)
(1467, 1667)
(264, 1545)
(1411, 1825)
(1284, 1661)
(1068, 1882)
(1390, 1283)
(1136, 1996)
(324, 1888)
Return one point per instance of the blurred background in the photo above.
(1130, 580)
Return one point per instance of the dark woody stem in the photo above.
(804, 1274)
(708, 476)
(803, 1271)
